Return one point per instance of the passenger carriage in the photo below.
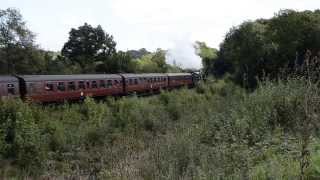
(140, 83)
(59, 88)
(48, 88)
(177, 80)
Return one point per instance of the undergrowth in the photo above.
(215, 131)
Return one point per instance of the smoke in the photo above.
(183, 54)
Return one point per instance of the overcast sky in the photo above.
(146, 23)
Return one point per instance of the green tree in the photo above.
(266, 46)
(159, 58)
(153, 62)
(294, 33)
(18, 53)
(246, 49)
(209, 57)
(135, 54)
(87, 45)
(120, 62)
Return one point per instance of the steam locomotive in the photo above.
(59, 88)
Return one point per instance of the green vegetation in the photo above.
(88, 50)
(214, 131)
(264, 47)
(219, 130)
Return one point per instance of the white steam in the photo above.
(183, 54)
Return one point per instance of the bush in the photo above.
(216, 130)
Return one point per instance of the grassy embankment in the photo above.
(213, 131)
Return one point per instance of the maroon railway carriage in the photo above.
(141, 83)
(179, 80)
(9, 87)
(55, 88)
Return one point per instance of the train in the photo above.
(60, 88)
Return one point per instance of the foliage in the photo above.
(216, 130)
(264, 47)
(18, 53)
(153, 63)
(136, 54)
(87, 45)
(209, 57)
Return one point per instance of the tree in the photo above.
(246, 49)
(209, 57)
(18, 53)
(295, 33)
(136, 54)
(266, 46)
(120, 62)
(159, 58)
(153, 63)
(88, 45)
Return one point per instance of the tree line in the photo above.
(88, 50)
(249, 52)
(265, 48)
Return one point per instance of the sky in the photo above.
(146, 24)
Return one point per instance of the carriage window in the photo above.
(71, 86)
(31, 88)
(81, 85)
(130, 81)
(102, 84)
(116, 82)
(11, 89)
(135, 81)
(94, 84)
(109, 84)
(61, 86)
(49, 87)
(88, 84)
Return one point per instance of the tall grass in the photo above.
(215, 131)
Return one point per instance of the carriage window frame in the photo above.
(11, 89)
(71, 86)
(48, 87)
(81, 85)
(102, 84)
(61, 86)
(94, 84)
(116, 82)
(109, 83)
